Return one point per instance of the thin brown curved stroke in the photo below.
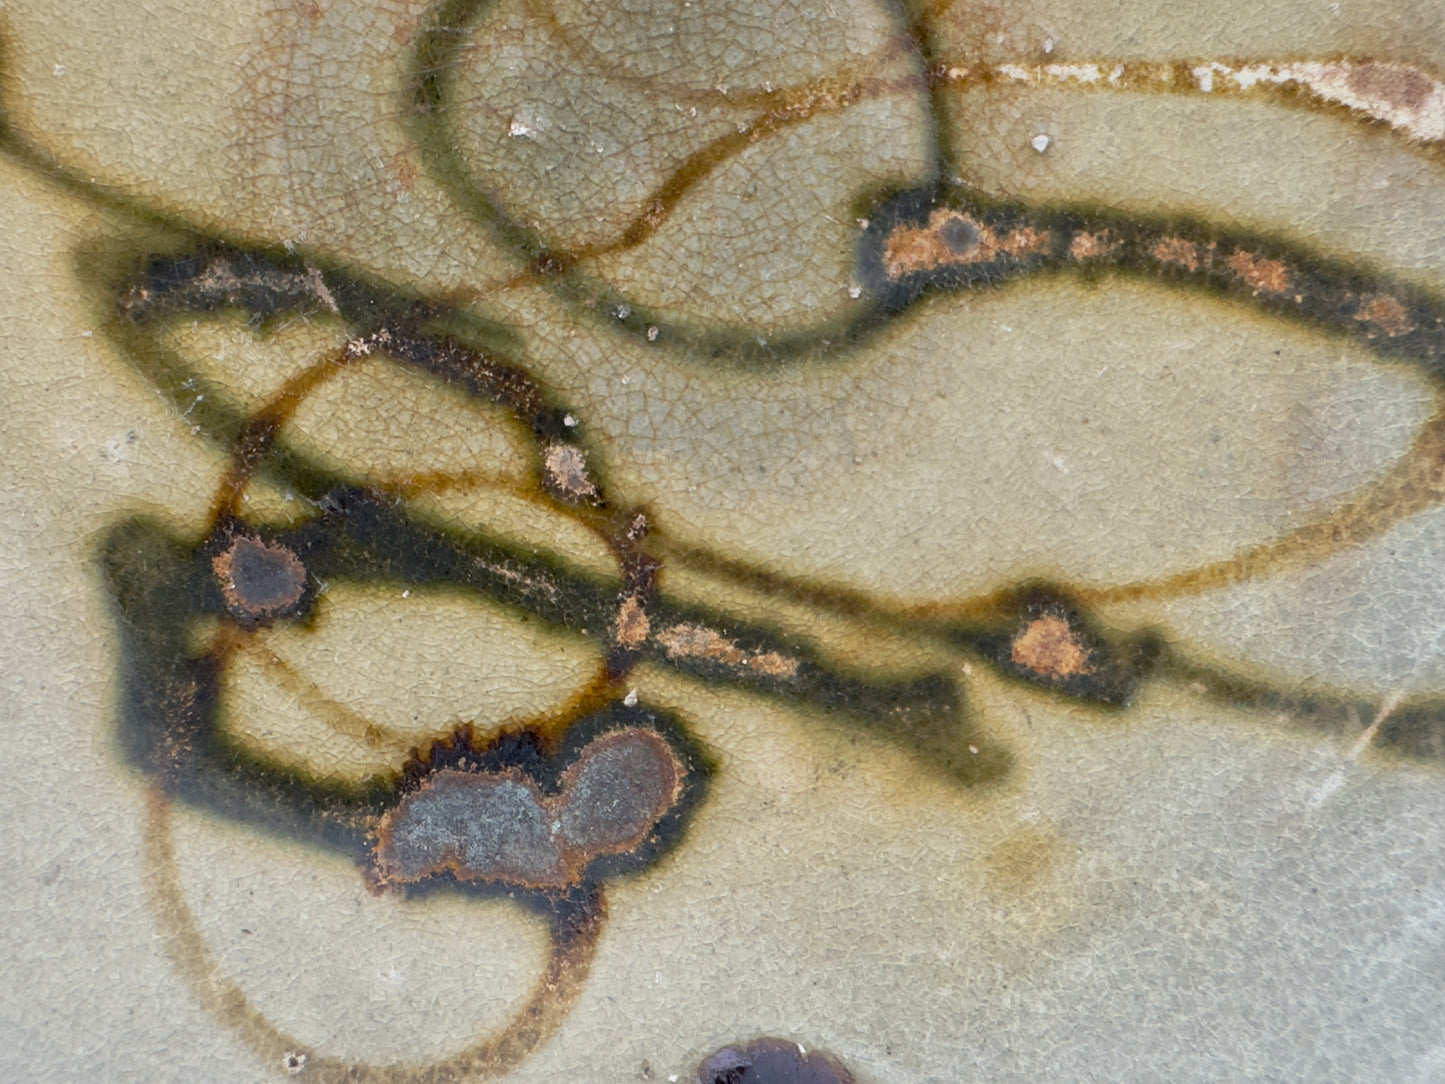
(572, 949)
(1412, 486)
(786, 108)
(762, 100)
(1416, 483)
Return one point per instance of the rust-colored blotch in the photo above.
(1048, 646)
(259, 580)
(498, 826)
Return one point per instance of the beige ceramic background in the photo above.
(1178, 891)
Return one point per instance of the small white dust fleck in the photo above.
(803, 1050)
(652, 334)
(1048, 45)
(569, 421)
(60, 69)
(1040, 142)
(393, 978)
(631, 698)
(622, 312)
(518, 130)
(87, 333)
(406, 594)
(973, 749)
(855, 292)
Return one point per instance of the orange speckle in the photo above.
(700, 642)
(632, 623)
(1024, 241)
(1270, 276)
(1387, 314)
(1048, 646)
(1177, 250)
(1088, 246)
(955, 238)
(774, 665)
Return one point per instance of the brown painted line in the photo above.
(845, 601)
(585, 54)
(336, 715)
(572, 949)
(714, 97)
(259, 432)
(1410, 484)
(607, 525)
(257, 437)
(436, 483)
(552, 724)
(262, 429)
(1415, 484)
(620, 530)
(1213, 79)
(792, 109)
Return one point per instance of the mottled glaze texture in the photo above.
(548, 540)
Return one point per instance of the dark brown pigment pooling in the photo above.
(259, 581)
(497, 826)
(771, 1061)
(494, 821)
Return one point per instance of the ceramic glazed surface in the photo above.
(721, 541)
